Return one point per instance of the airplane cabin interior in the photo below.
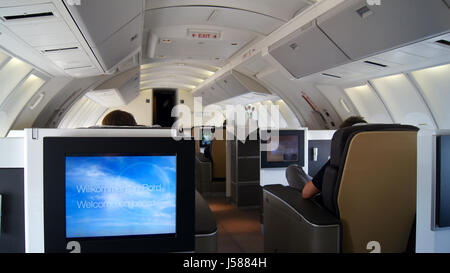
(213, 126)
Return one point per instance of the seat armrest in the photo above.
(293, 224)
(205, 220)
(203, 175)
(310, 209)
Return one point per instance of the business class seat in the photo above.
(368, 197)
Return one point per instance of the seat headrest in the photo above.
(342, 137)
(122, 127)
(339, 147)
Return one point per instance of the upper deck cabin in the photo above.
(212, 84)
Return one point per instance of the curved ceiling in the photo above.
(174, 57)
(185, 76)
(282, 10)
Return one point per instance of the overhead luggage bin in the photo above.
(307, 51)
(363, 30)
(117, 91)
(118, 36)
(236, 83)
(229, 85)
(211, 93)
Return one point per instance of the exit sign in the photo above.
(204, 35)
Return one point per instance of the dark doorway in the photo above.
(163, 102)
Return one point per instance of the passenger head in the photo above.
(352, 121)
(119, 118)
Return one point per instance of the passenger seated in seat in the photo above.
(119, 118)
(297, 178)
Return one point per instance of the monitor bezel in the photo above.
(440, 222)
(55, 151)
(301, 151)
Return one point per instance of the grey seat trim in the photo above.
(337, 224)
(206, 235)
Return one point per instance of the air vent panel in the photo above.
(60, 49)
(375, 63)
(28, 16)
(443, 42)
(331, 75)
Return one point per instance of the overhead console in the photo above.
(230, 85)
(356, 30)
(86, 39)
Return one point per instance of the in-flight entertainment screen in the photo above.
(120, 195)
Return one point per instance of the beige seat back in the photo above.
(377, 192)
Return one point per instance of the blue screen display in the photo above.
(120, 195)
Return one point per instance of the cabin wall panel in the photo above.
(369, 105)
(429, 239)
(291, 91)
(403, 100)
(28, 116)
(435, 85)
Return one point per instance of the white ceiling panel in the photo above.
(221, 17)
(172, 78)
(177, 42)
(165, 75)
(166, 84)
(211, 49)
(70, 58)
(283, 10)
(175, 75)
(168, 24)
(44, 33)
(399, 57)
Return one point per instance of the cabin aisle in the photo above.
(239, 231)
